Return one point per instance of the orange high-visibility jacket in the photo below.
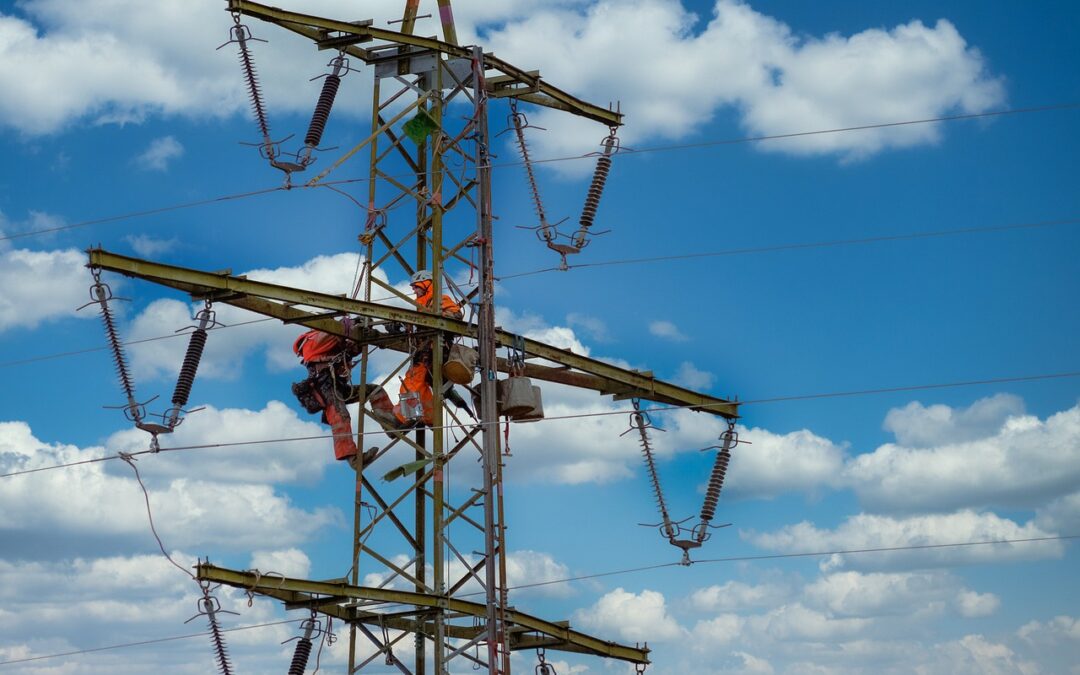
(449, 306)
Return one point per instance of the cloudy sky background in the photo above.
(115, 106)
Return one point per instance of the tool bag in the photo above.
(305, 394)
(460, 365)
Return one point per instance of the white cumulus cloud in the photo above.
(148, 247)
(289, 562)
(634, 617)
(41, 286)
(666, 330)
(160, 153)
(923, 426)
(1015, 460)
(779, 79)
(100, 500)
(864, 531)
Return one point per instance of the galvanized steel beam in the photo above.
(266, 298)
(319, 29)
(298, 591)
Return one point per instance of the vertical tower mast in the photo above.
(430, 543)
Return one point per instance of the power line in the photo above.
(144, 642)
(809, 554)
(90, 350)
(802, 246)
(138, 214)
(660, 408)
(629, 570)
(632, 261)
(861, 127)
(552, 160)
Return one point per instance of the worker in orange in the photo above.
(328, 388)
(415, 399)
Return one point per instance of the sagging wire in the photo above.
(329, 638)
(209, 605)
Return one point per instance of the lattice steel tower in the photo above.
(438, 218)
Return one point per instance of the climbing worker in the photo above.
(415, 399)
(328, 388)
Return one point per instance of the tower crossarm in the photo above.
(510, 81)
(339, 599)
(284, 303)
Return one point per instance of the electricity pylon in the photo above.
(449, 231)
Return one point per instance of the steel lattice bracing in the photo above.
(428, 207)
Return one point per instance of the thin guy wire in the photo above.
(658, 148)
(90, 350)
(862, 127)
(138, 214)
(145, 642)
(808, 554)
(130, 461)
(801, 246)
(629, 570)
(661, 408)
(629, 261)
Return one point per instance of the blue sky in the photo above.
(112, 108)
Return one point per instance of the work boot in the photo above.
(382, 408)
(367, 458)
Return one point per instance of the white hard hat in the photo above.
(421, 275)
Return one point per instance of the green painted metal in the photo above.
(219, 287)
(302, 592)
(318, 28)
